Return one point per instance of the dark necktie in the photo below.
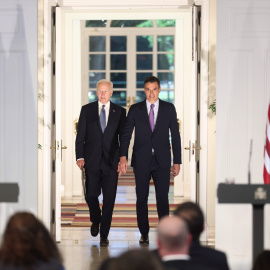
(102, 118)
(151, 117)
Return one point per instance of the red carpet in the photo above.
(124, 215)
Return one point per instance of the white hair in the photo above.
(105, 81)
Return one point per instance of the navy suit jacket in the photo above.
(208, 256)
(186, 265)
(92, 144)
(145, 140)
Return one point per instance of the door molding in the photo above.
(171, 6)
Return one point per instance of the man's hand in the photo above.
(119, 170)
(80, 163)
(122, 166)
(176, 169)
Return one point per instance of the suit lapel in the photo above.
(95, 108)
(112, 116)
(146, 115)
(160, 108)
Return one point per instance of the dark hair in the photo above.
(152, 79)
(262, 261)
(139, 259)
(109, 264)
(193, 215)
(26, 241)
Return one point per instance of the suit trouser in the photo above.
(161, 178)
(105, 180)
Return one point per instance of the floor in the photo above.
(81, 251)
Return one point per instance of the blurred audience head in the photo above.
(110, 264)
(136, 259)
(193, 215)
(173, 236)
(262, 261)
(26, 242)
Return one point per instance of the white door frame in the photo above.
(171, 5)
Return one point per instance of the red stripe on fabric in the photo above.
(267, 147)
(266, 176)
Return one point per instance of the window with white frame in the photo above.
(126, 52)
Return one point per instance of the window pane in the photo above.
(140, 79)
(166, 80)
(95, 23)
(119, 98)
(167, 96)
(97, 44)
(165, 43)
(166, 61)
(132, 23)
(92, 96)
(144, 61)
(164, 95)
(94, 77)
(119, 61)
(165, 23)
(119, 80)
(144, 43)
(97, 61)
(118, 44)
(140, 96)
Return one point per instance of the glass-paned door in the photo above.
(144, 48)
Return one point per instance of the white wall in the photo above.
(18, 103)
(243, 92)
(211, 153)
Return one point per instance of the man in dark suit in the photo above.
(97, 149)
(152, 119)
(173, 241)
(193, 215)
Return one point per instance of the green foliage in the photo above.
(212, 107)
(39, 146)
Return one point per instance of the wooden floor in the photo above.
(81, 251)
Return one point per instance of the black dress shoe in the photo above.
(104, 242)
(144, 240)
(95, 229)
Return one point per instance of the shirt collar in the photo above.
(148, 104)
(174, 257)
(106, 105)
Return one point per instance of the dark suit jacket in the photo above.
(92, 144)
(209, 256)
(145, 139)
(185, 265)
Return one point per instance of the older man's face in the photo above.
(104, 92)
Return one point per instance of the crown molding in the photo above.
(120, 3)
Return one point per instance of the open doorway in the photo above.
(71, 70)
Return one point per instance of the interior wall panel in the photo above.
(18, 102)
(243, 95)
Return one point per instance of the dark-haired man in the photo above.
(193, 215)
(153, 120)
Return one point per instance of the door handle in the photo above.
(189, 148)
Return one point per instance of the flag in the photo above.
(266, 171)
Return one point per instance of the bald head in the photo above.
(173, 236)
